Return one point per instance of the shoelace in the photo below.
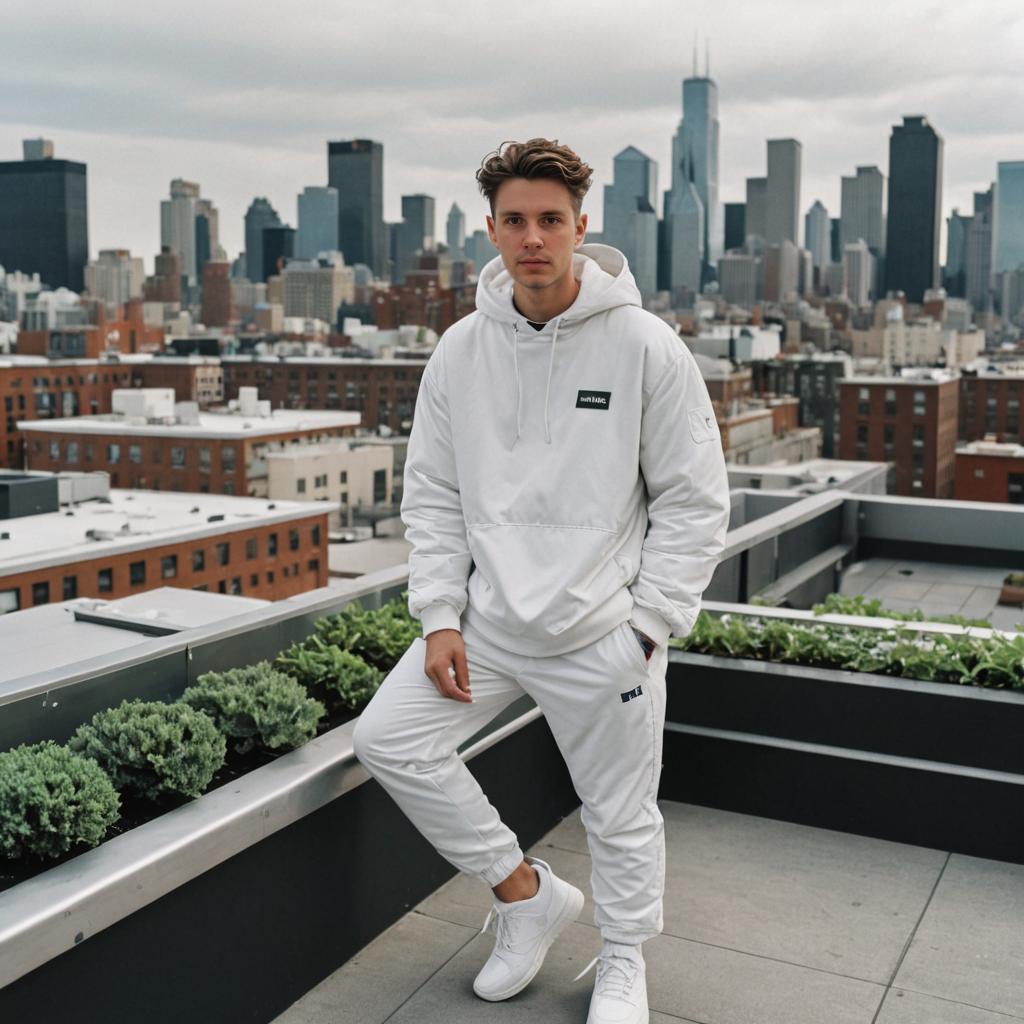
(502, 931)
(615, 975)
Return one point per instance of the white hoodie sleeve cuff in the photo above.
(651, 623)
(439, 616)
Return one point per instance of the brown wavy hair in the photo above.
(538, 158)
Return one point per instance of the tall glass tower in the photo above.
(1009, 217)
(355, 167)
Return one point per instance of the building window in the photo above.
(251, 548)
(70, 587)
(198, 560)
(72, 451)
(41, 593)
(87, 450)
(918, 435)
(344, 497)
(254, 579)
(314, 565)
(380, 486)
(55, 450)
(223, 553)
(236, 584)
(270, 576)
(137, 573)
(134, 453)
(204, 460)
(177, 456)
(228, 487)
(919, 403)
(227, 459)
(272, 545)
(105, 581)
(169, 566)
(315, 534)
(890, 401)
(979, 474)
(113, 453)
(343, 477)
(293, 540)
(300, 485)
(222, 586)
(10, 600)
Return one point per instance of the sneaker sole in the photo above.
(568, 914)
(643, 1014)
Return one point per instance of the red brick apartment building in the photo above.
(38, 389)
(146, 448)
(110, 544)
(990, 471)
(990, 405)
(129, 334)
(382, 391)
(198, 379)
(910, 421)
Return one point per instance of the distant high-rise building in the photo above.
(955, 273)
(915, 208)
(834, 234)
(978, 252)
(217, 308)
(165, 284)
(115, 276)
(278, 248)
(735, 225)
(318, 222)
(455, 232)
(782, 209)
(756, 208)
(259, 216)
(695, 160)
(817, 228)
(316, 288)
(480, 249)
(861, 209)
(416, 232)
(1008, 222)
(207, 235)
(781, 271)
(44, 217)
(738, 276)
(178, 224)
(355, 167)
(857, 260)
(630, 223)
(685, 230)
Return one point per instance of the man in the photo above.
(566, 499)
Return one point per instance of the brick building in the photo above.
(990, 405)
(126, 334)
(910, 421)
(34, 388)
(990, 471)
(217, 309)
(90, 541)
(423, 302)
(148, 443)
(198, 379)
(382, 391)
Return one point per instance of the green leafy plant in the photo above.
(152, 749)
(256, 706)
(996, 661)
(339, 677)
(843, 604)
(52, 800)
(379, 636)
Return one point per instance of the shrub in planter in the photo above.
(256, 706)
(52, 800)
(841, 604)
(380, 637)
(340, 677)
(152, 749)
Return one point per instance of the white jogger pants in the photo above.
(605, 706)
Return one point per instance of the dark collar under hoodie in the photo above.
(561, 483)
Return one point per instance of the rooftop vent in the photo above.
(95, 534)
(217, 518)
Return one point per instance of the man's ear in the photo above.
(581, 229)
(490, 231)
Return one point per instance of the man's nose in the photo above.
(532, 239)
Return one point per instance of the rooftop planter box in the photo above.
(1012, 591)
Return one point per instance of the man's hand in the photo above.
(446, 650)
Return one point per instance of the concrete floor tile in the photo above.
(719, 986)
(968, 947)
(905, 590)
(827, 900)
(902, 1007)
(377, 980)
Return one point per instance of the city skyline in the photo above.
(246, 113)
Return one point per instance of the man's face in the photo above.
(536, 231)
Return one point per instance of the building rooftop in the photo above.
(219, 425)
(766, 922)
(152, 518)
(1000, 449)
(325, 360)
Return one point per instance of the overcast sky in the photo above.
(242, 97)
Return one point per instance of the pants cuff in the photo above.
(501, 869)
(628, 938)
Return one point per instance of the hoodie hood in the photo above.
(605, 283)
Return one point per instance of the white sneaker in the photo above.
(620, 991)
(525, 931)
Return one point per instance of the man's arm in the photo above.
(436, 527)
(688, 502)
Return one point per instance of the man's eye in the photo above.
(511, 220)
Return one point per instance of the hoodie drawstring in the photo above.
(515, 360)
(547, 392)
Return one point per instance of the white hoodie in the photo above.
(563, 481)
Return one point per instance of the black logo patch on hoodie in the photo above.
(593, 399)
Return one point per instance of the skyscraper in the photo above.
(630, 223)
(355, 167)
(782, 209)
(817, 228)
(318, 222)
(861, 214)
(43, 216)
(735, 225)
(178, 224)
(207, 235)
(684, 222)
(278, 246)
(954, 279)
(260, 215)
(455, 232)
(1008, 225)
(757, 198)
(978, 252)
(915, 205)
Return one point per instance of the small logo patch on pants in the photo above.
(630, 694)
